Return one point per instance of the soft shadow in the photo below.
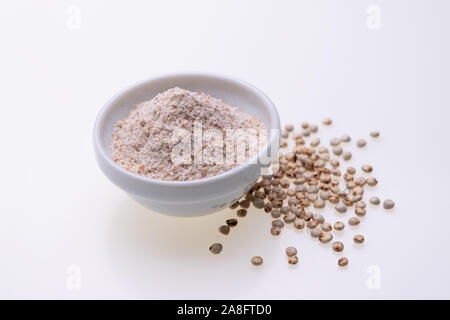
(169, 256)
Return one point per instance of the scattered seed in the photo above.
(224, 229)
(358, 238)
(341, 208)
(372, 181)
(327, 121)
(319, 204)
(257, 261)
(316, 233)
(285, 183)
(347, 155)
(360, 204)
(289, 218)
(250, 197)
(324, 195)
(375, 201)
(334, 199)
(335, 163)
(375, 134)
(322, 150)
(234, 205)
(337, 150)
(367, 168)
(291, 251)
(291, 192)
(293, 260)
(275, 231)
(241, 213)
(339, 226)
(335, 142)
(299, 223)
(258, 203)
(266, 182)
(319, 218)
(311, 197)
(308, 216)
(314, 128)
(278, 223)
(259, 195)
(284, 134)
(361, 143)
(276, 213)
(346, 138)
(277, 203)
(326, 227)
(244, 204)
(216, 248)
(338, 246)
(284, 209)
(289, 127)
(232, 222)
(360, 181)
(342, 262)
(354, 221)
(360, 212)
(296, 211)
(312, 224)
(388, 204)
(268, 207)
(282, 195)
(325, 237)
(351, 170)
(315, 142)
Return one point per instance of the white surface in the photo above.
(312, 58)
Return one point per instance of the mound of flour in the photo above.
(143, 142)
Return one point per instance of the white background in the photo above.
(312, 58)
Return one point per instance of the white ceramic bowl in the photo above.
(186, 198)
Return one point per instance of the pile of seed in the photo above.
(308, 177)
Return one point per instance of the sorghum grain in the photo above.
(342, 262)
(291, 251)
(339, 226)
(293, 260)
(375, 201)
(216, 248)
(299, 223)
(241, 213)
(275, 231)
(354, 221)
(338, 246)
(224, 229)
(257, 261)
(232, 222)
(358, 238)
(278, 223)
(327, 121)
(388, 204)
(361, 143)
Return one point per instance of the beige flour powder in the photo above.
(143, 142)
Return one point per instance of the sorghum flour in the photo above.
(143, 142)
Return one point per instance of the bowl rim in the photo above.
(100, 119)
